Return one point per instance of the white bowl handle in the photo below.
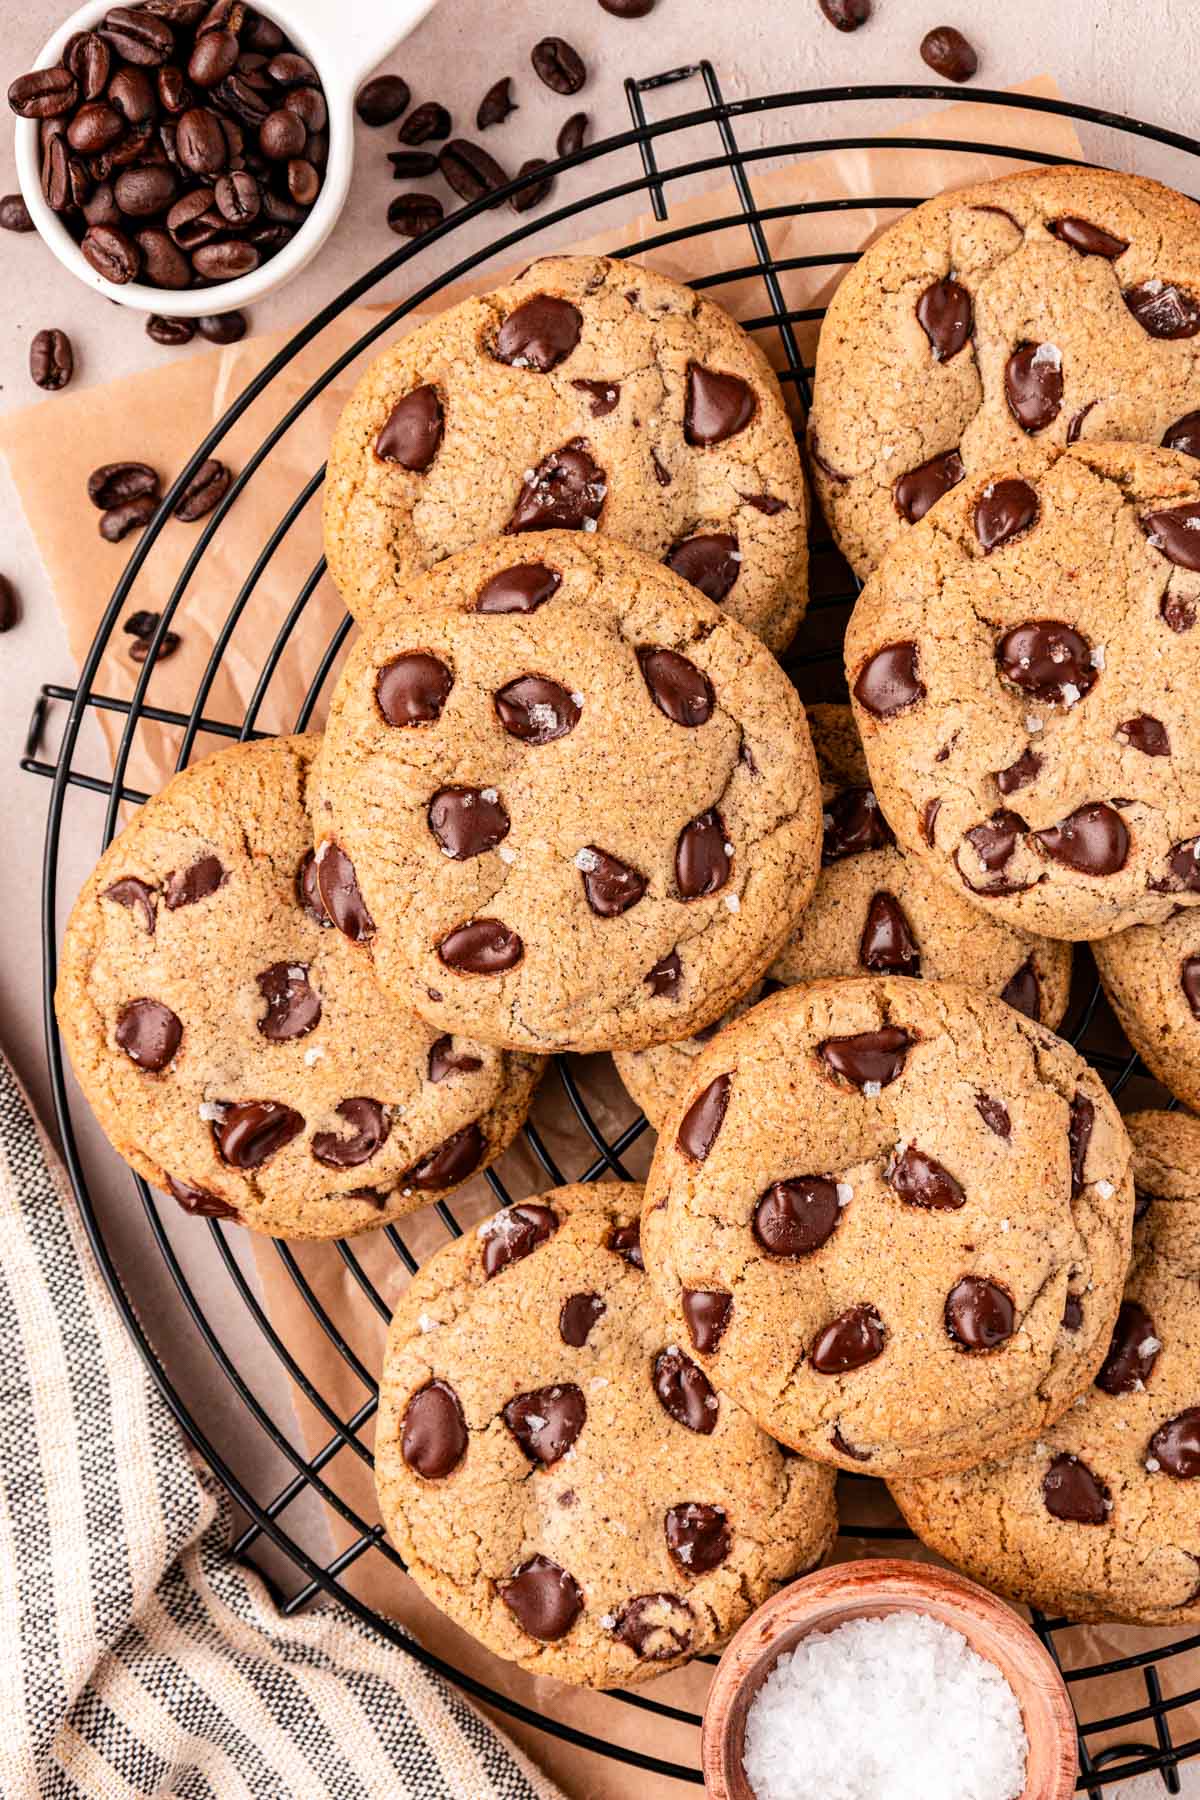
(346, 38)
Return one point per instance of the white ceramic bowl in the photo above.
(344, 40)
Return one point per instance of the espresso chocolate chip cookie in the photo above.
(587, 395)
(622, 1516)
(1099, 1518)
(891, 1218)
(1151, 975)
(1052, 307)
(1022, 667)
(233, 1045)
(565, 803)
(875, 911)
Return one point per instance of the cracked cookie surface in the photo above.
(875, 911)
(1099, 1518)
(891, 1218)
(232, 1044)
(1021, 668)
(622, 1516)
(587, 393)
(928, 366)
(577, 802)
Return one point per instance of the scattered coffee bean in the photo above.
(10, 612)
(382, 99)
(558, 65)
(846, 15)
(412, 165)
(628, 9)
(129, 516)
(14, 214)
(536, 192)
(139, 650)
(112, 484)
(51, 360)
(470, 171)
(424, 123)
(170, 332)
(44, 94)
(203, 491)
(222, 328)
(412, 215)
(141, 624)
(949, 54)
(496, 104)
(570, 138)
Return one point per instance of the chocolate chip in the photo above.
(678, 688)
(994, 1115)
(131, 892)
(113, 483)
(698, 1538)
(765, 503)
(840, 1444)
(519, 589)
(979, 1314)
(1088, 239)
(844, 15)
(293, 1008)
(610, 886)
(703, 862)
(1033, 385)
(856, 1337)
(706, 1314)
(661, 473)
(1019, 774)
(184, 887)
(870, 1058)
(1048, 660)
(1183, 862)
(795, 1217)
(1183, 435)
(888, 682)
(1023, 991)
(685, 1392)
(711, 561)
(539, 334)
(703, 1120)
(466, 822)
(469, 170)
(199, 1203)
(1093, 840)
(308, 894)
(1132, 1353)
(573, 131)
(424, 123)
(451, 1162)
(543, 1599)
(853, 824)
(1079, 1137)
(949, 54)
(481, 947)
(994, 843)
(445, 1060)
(1163, 310)
(1072, 1319)
(557, 64)
(1147, 734)
(718, 406)
(412, 689)
(920, 1180)
(250, 1132)
(887, 943)
(369, 1127)
(381, 100)
(149, 1033)
(1175, 534)
(565, 491)
(945, 315)
(1175, 1446)
(412, 435)
(536, 710)
(546, 1421)
(1073, 1493)
(914, 492)
(666, 975)
(433, 1440)
(656, 1627)
(576, 1317)
(1189, 981)
(1075, 427)
(1004, 510)
(513, 1233)
(337, 885)
(604, 396)
(626, 1241)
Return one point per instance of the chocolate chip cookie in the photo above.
(1099, 1518)
(557, 1472)
(875, 911)
(565, 802)
(588, 395)
(232, 1043)
(1051, 307)
(891, 1218)
(1022, 667)
(1151, 975)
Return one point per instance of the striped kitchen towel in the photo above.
(136, 1657)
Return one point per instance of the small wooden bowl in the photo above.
(868, 1589)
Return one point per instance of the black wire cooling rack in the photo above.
(617, 173)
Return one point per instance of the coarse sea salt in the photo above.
(899, 1706)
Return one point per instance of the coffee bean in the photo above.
(174, 94)
(203, 491)
(304, 184)
(425, 123)
(282, 135)
(132, 94)
(14, 214)
(949, 54)
(382, 99)
(94, 127)
(51, 360)
(136, 34)
(163, 263)
(89, 59)
(44, 94)
(537, 191)
(262, 34)
(308, 104)
(224, 262)
(56, 175)
(114, 483)
(215, 55)
(570, 138)
(100, 208)
(143, 192)
(470, 171)
(496, 104)
(129, 516)
(846, 15)
(290, 69)
(10, 611)
(412, 215)
(628, 9)
(237, 197)
(558, 65)
(200, 142)
(222, 328)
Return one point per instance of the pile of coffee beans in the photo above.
(183, 142)
(127, 494)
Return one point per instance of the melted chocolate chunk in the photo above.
(1003, 511)
(1093, 840)
(1087, 239)
(576, 1317)
(1175, 533)
(433, 1440)
(666, 975)
(718, 406)
(1163, 310)
(1080, 1123)
(1072, 1319)
(994, 843)
(887, 943)
(604, 396)
(945, 315)
(711, 561)
(149, 1033)
(979, 1314)
(917, 490)
(1145, 733)
(369, 1126)
(539, 334)
(1183, 435)
(1132, 1353)
(922, 1181)
(134, 894)
(703, 1120)
(308, 894)
(702, 861)
(1073, 1493)
(519, 589)
(413, 689)
(1183, 863)
(1045, 658)
(184, 887)
(293, 1006)
(795, 1217)
(199, 1202)
(626, 1241)
(546, 1421)
(445, 1060)
(1033, 385)
(765, 503)
(677, 687)
(453, 1160)
(871, 1058)
(1019, 774)
(412, 436)
(888, 682)
(929, 813)
(1189, 981)
(844, 1448)
(854, 823)
(249, 1133)
(338, 887)
(851, 1341)
(1175, 1446)
(610, 886)
(706, 1314)
(514, 1233)
(543, 1599)
(698, 1539)
(536, 710)
(564, 492)
(1075, 427)
(685, 1392)
(994, 1115)
(466, 822)
(481, 947)
(656, 1627)
(1023, 991)
(1178, 611)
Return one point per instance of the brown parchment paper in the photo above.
(159, 417)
